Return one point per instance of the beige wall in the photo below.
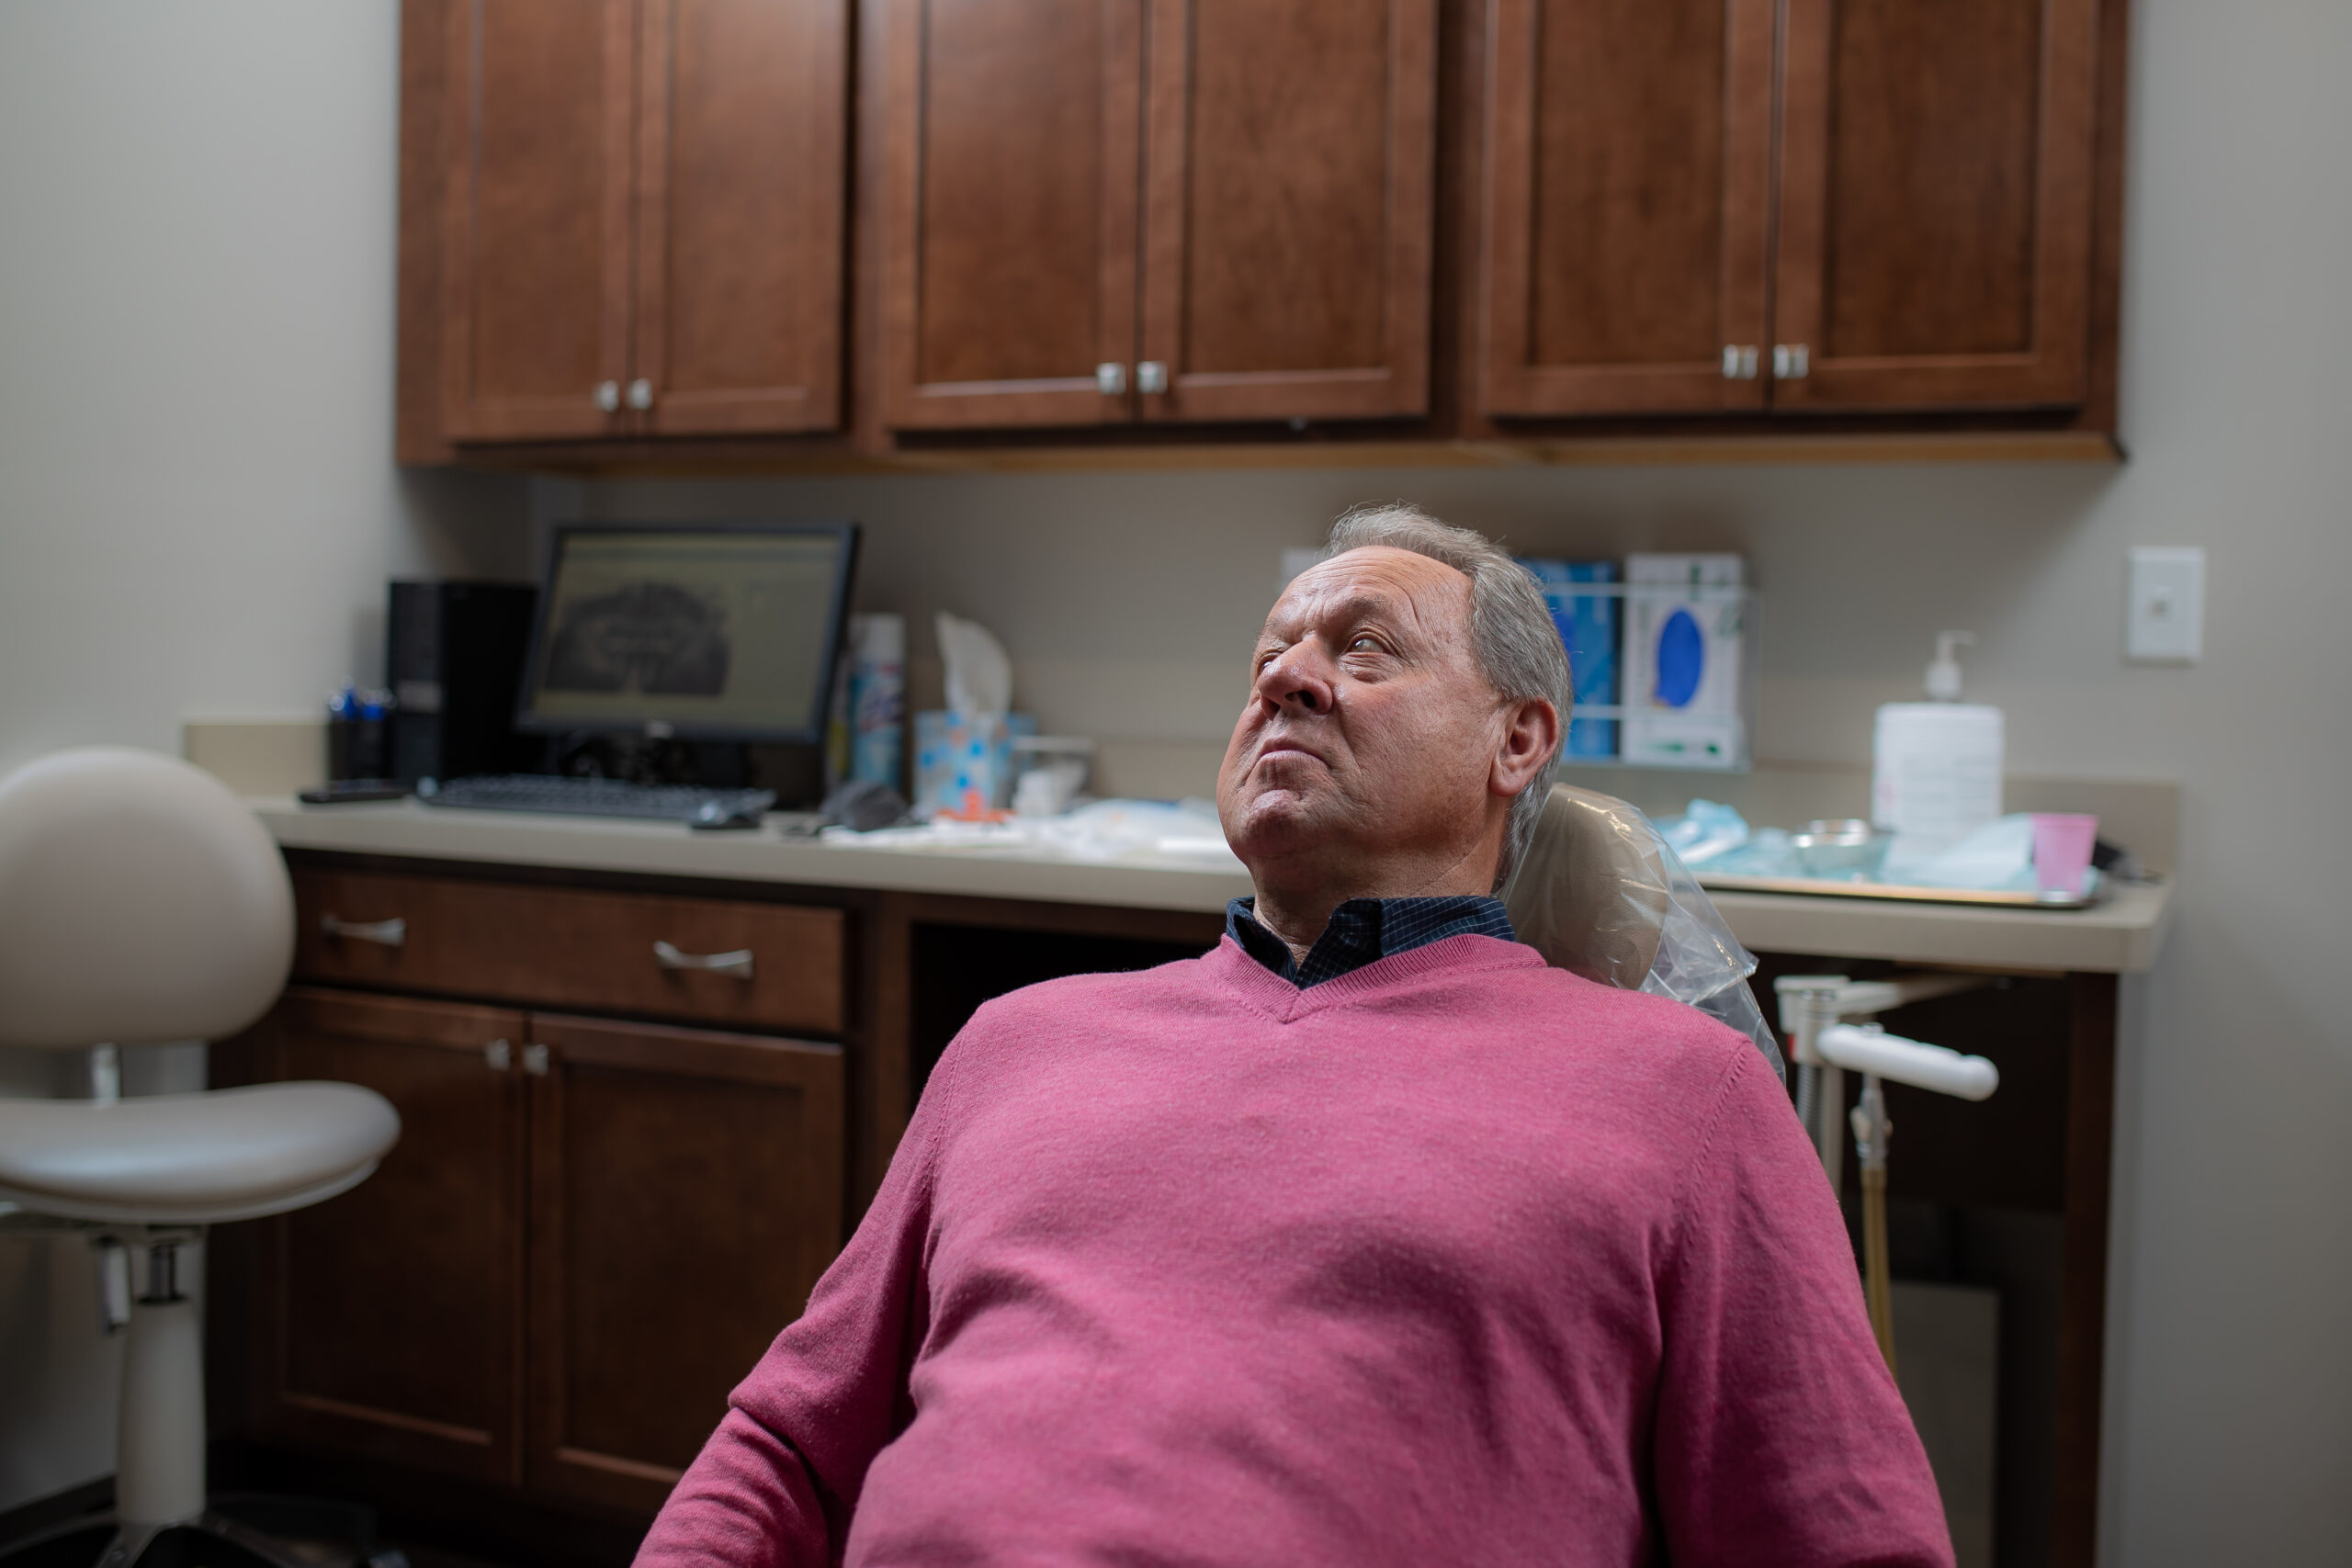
(194, 379)
(198, 510)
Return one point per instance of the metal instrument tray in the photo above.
(2094, 893)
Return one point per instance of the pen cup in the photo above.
(2062, 851)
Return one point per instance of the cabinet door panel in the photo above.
(388, 1318)
(1009, 209)
(687, 1194)
(1936, 202)
(536, 262)
(741, 173)
(1629, 148)
(1289, 228)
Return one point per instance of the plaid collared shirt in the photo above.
(1363, 930)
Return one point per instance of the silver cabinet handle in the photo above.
(535, 1060)
(498, 1055)
(387, 933)
(738, 963)
(1151, 377)
(608, 396)
(1740, 362)
(641, 394)
(1790, 361)
(1110, 377)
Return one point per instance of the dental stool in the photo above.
(142, 903)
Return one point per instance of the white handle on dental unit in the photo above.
(1936, 1067)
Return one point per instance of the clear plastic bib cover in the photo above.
(1601, 894)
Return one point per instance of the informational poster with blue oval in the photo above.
(1685, 653)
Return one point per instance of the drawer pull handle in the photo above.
(738, 963)
(499, 1055)
(535, 1060)
(388, 933)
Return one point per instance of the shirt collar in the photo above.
(1363, 930)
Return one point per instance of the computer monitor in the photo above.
(709, 632)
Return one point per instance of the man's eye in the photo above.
(1364, 643)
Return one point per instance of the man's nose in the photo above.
(1296, 681)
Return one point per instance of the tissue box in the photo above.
(962, 766)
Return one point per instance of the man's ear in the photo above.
(1530, 738)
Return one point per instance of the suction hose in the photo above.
(1872, 1130)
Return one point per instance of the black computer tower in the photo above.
(453, 655)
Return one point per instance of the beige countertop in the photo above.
(2121, 935)
(668, 849)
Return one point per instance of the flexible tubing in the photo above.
(1878, 1287)
(1808, 1098)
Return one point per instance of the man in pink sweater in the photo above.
(1367, 1239)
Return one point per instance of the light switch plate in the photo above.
(2164, 621)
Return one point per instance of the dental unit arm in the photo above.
(1815, 1010)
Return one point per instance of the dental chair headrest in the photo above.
(1601, 893)
(1590, 894)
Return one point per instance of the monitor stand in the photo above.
(794, 772)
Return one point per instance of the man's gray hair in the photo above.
(1512, 633)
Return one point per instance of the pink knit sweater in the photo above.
(1454, 1259)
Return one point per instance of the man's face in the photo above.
(1369, 734)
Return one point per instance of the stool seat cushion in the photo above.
(232, 1154)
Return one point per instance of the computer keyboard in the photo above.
(600, 797)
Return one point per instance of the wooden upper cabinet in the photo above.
(631, 219)
(741, 178)
(1007, 209)
(1937, 207)
(1627, 203)
(534, 271)
(1289, 217)
(642, 215)
(1246, 235)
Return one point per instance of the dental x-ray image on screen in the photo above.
(661, 638)
(719, 632)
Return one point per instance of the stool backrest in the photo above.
(140, 902)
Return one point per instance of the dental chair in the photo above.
(142, 903)
(1599, 893)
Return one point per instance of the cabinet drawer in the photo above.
(713, 959)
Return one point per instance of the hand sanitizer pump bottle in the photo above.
(1935, 766)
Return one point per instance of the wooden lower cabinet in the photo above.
(388, 1320)
(587, 1234)
(685, 1196)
